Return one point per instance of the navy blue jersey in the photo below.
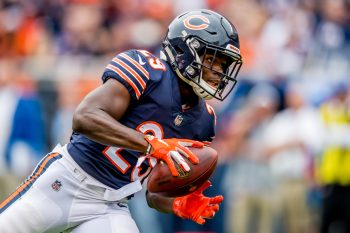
(155, 108)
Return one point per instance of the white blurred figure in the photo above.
(252, 206)
(294, 137)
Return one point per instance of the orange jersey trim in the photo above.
(135, 64)
(131, 71)
(126, 78)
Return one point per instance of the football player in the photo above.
(147, 109)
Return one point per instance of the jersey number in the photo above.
(113, 153)
(154, 62)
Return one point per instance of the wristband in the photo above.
(149, 147)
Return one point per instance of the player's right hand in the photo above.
(173, 149)
(196, 206)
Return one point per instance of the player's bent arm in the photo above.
(97, 117)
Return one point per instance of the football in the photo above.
(161, 180)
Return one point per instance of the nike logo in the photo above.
(140, 60)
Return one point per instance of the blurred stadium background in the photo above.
(283, 137)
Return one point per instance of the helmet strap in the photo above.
(171, 59)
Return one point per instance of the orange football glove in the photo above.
(172, 149)
(196, 206)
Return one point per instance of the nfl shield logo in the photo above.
(56, 185)
(178, 120)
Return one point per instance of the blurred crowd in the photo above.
(283, 137)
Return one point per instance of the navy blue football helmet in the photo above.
(193, 35)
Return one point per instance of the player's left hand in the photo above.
(196, 206)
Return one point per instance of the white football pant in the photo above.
(60, 197)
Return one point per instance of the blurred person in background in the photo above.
(121, 129)
(22, 140)
(8, 98)
(334, 164)
(252, 199)
(327, 59)
(293, 140)
(70, 95)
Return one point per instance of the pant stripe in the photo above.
(25, 186)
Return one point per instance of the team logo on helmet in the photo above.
(201, 26)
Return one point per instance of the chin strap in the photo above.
(201, 93)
